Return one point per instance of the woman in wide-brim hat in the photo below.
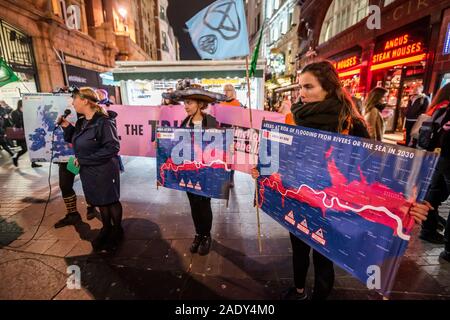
(196, 100)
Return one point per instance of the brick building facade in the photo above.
(36, 38)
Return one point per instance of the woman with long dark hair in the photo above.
(324, 105)
(376, 102)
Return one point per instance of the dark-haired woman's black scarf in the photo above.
(323, 115)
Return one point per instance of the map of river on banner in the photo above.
(40, 112)
(194, 160)
(346, 197)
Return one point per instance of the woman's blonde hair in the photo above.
(230, 87)
(91, 96)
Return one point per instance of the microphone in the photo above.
(65, 115)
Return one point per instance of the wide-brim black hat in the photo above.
(187, 91)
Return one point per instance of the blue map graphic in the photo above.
(42, 136)
(197, 173)
(347, 201)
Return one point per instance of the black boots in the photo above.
(101, 241)
(108, 238)
(195, 244)
(70, 219)
(92, 213)
(431, 236)
(201, 244)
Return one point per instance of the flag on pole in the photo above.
(7, 75)
(219, 31)
(255, 54)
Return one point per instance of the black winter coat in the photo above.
(95, 141)
(96, 146)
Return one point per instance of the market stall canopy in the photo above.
(173, 70)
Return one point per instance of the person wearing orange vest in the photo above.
(230, 92)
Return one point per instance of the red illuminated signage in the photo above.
(346, 63)
(398, 48)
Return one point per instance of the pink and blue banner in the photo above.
(246, 132)
(194, 160)
(137, 126)
(346, 197)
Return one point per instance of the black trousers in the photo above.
(66, 180)
(201, 213)
(5, 145)
(437, 193)
(23, 147)
(409, 124)
(323, 269)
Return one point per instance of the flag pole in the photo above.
(256, 182)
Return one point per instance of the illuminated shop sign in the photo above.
(346, 63)
(397, 51)
(447, 41)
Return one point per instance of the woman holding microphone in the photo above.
(96, 146)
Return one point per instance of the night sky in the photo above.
(178, 12)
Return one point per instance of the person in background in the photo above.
(375, 103)
(356, 101)
(230, 92)
(417, 104)
(5, 111)
(103, 97)
(285, 106)
(439, 190)
(17, 119)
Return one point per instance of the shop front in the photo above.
(142, 83)
(348, 65)
(17, 51)
(399, 65)
(81, 77)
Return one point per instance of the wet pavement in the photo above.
(154, 261)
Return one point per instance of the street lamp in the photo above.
(123, 12)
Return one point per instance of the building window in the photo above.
(258, 21)
(164, 45)
(162, 13)
(388, 2)
(341, 15)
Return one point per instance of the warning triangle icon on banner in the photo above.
(304, 223)
(319, 233)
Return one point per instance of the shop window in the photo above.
(162, 13)
(341, 15)
(164, 45)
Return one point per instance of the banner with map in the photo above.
(40, 112)
(346, 197)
